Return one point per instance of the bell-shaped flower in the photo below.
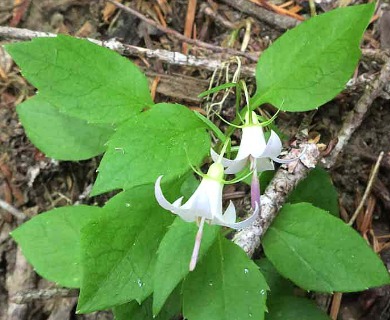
(253, 146)
(205, 205)
(206, 202)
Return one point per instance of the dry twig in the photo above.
(371, 181)
(181, 37)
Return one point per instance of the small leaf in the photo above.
(318, 251)
(83, 79)
(119, 251)
(293, 308)
(136, 311)
(51, 242)
(60, 136)
(174, 255)
(164, 140)
(225, 285)
(310, 65)
(308, 191)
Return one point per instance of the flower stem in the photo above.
(198, 240)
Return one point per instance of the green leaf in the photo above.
(311, 64)
(293, 308)
(164, 140)
(60, 136)
(277, 284)
(51, 242)
(83, 79)
(119, 251)
(281, 302)
(225, 285)
(174, 255)
(308, 191)
(318, 251)
(136, 311)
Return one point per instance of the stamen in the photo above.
(198, 240)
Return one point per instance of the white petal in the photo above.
(230, 214)
(207, 199)
(160, 197)
(264, 164)
(237, 166)
(252, 142)
(245, 223)
(186, 215)
(273, 147)
(177, 203)
(225, 162)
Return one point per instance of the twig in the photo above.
(371, 181)
(335, 307)
(27, 296)
(189, 24)
(171, 57)
(12, 210)
(181, 37)
(356, 116)
(273, 19)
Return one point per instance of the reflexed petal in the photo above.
(237, 166)
(273, 148)
(225, 162)
(177, 203)
(160, 196)
(245, 223)
(264, 164)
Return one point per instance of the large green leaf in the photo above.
(293, 308)
(118, 252)
(60, 136)
(136, 311)
(83, 79)
(281, 302)
(164, 140)
(277, 284)
(311, 64)
(174, 255)
(317, 188)
(51, 242)
(225, 285)
(318, 251)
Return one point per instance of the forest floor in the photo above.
(33, 183)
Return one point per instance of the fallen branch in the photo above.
(276, 20)
(23, 297)
(181, 37)
(170, 57)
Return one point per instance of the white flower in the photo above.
(253, 145)
(206, 202)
